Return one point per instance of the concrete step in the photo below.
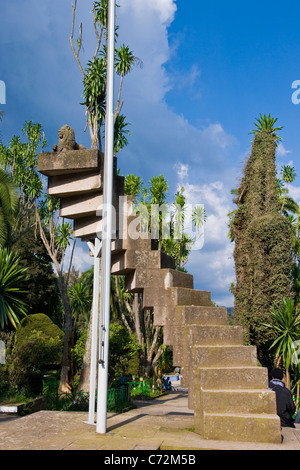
(70, 161)
(67, 185)
(244, 428)
(156, 283)
(200, 315)
(83, 206)
(223, 356)
(131, 260)
(239, 401)
(173, 296)
(208, 335)
(228, 378)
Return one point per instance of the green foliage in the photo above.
(94, 90)
(21, 160)
(285, 320)
(37, 322)
(78, 352)
(266, 123)
(262, 253)
(123, 346)
(170, 234)
(94, 79)
(38, 347)
(11, 304)
(41, 284)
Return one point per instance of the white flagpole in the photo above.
(106, 228)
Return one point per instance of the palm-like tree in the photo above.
(124, 61)
(80, 300)
(266, 123)
(285, 322)
(11, 274)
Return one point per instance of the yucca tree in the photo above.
(266, 123)
(80, 300)
(94, 77)
(285, 322)
(11, 304)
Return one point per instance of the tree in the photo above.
(94, 78)
(288, 176)
(80, 300)
(262, 236)
(171, 239)
(41, 211)
(11, 275)
(41, 286)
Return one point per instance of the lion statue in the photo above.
(66, 140)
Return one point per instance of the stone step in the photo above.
(71, 161)
(189, 336)
(85, 206)
(156, 283)
(223, 356)
(87, 228)
(130, 260)
(67, 185)
(239, 401)
(200, 315)
(228, 378)
(240, 428)
(174, 296)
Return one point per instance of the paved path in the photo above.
(165, 423)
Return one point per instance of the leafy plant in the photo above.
(266, 123)
(285, 322)
(11, 304)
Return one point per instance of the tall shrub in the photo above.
(262, 254)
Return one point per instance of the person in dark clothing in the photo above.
(284, 401)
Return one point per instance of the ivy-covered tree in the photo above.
(262, 236)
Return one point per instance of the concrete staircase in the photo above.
(227, 390)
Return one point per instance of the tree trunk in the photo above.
(84, 381)
(137, 322)
(66, 378)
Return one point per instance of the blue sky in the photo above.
(209, 70)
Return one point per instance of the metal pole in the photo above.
(106, 228)
(95, 321)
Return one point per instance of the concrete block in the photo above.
(232, 378)
(74, 185)
(200, 315)
(243, 428)
(239, 401)
(69, 161)
(81, 206)
(223, 356)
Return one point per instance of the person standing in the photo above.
(284, 401)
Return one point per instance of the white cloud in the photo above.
(281, 151)
(213, 265)
(294, 192)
